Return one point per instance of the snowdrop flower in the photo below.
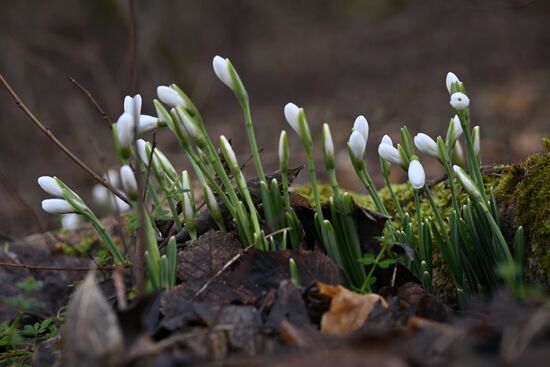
(389, 153)
(186, 181)
(386, 140)
(457, 126)
(170, 96)
(144, 151)
(328, 147)
(450, 80)
(228, 152)
(71, 221)
(476, 140)
(129, 181)
(292, 113)
(361, 125)
(187, 207)
(212, 203)
(467, 183)
(357, 145)
(57, 206)
(417, 176)
(101, 195)
(147, 123)
(125, 130)
(221, 68)
(459, 101)
(426, 145)
(50, 185)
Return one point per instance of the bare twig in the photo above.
(93, 100)
(57, 142)
(53, 267)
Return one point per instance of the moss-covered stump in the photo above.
(523, 195)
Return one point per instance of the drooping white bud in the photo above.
(170, 96)
(361, 125)
(357, 145)
(292, 113)
(57, 206)
(188, 123)
(147, 123)
(459, 101)
(221, 68)
(125, 129)
(426, 145)
(71, 221)
(187, 206)
(450, 80)
(390, 154)
(386, 140)
(50, 185)
(417, 177)
(144, 151)
(467, 183)
(129, 181)
(229, 154)
(458, 127)
(328, 145)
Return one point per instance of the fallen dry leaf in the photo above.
(348, 310)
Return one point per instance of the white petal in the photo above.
(283, 147)
(459, 101)
(71, 221)
(476, 140)
(390, 154)
(147, 123)
(291, 114)
(357, 144)
(417, 176)
(128, 105)
(170, 96)
(125, 130)
(221, 68)
(386, 140)
(128, 180)
(210, 198)
(50, 185)
(187, 206)
(57, 206)
(101, 195)
(120, 205)
(136, 112)
(362, 126)
(451, 78)
(426, 145)
(188, 124)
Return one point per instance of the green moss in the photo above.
(525, 190)
(80, 248)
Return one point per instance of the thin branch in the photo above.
(93, 100)
(53, 267)
(57, 142)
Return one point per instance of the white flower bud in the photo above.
(57, 206)
(390, 154)
(144, 150)
(386, 140)
(187, 207)
(458, 127)
(129, 181)
(125, 130)
(188, 123)
(283, 149)
(459, 101)
(112, 177)
(101, 195)
(357, 145)
(417, 177)
(119, 204)
(129, 105)
(71, 221)
(467, 183)
(476, 140)
(170, 96)
(221, 68)
(426, 145)
(147, 123)
(328, 145)
(229, 154)
(292, 113)
(186, 181)
(212, 203)
(361, 125)
(50, 185)
(450, 80)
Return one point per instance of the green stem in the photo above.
(252, 141)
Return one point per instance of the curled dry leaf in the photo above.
(92, 335)
(348, 310)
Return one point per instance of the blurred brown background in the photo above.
(385, 59)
